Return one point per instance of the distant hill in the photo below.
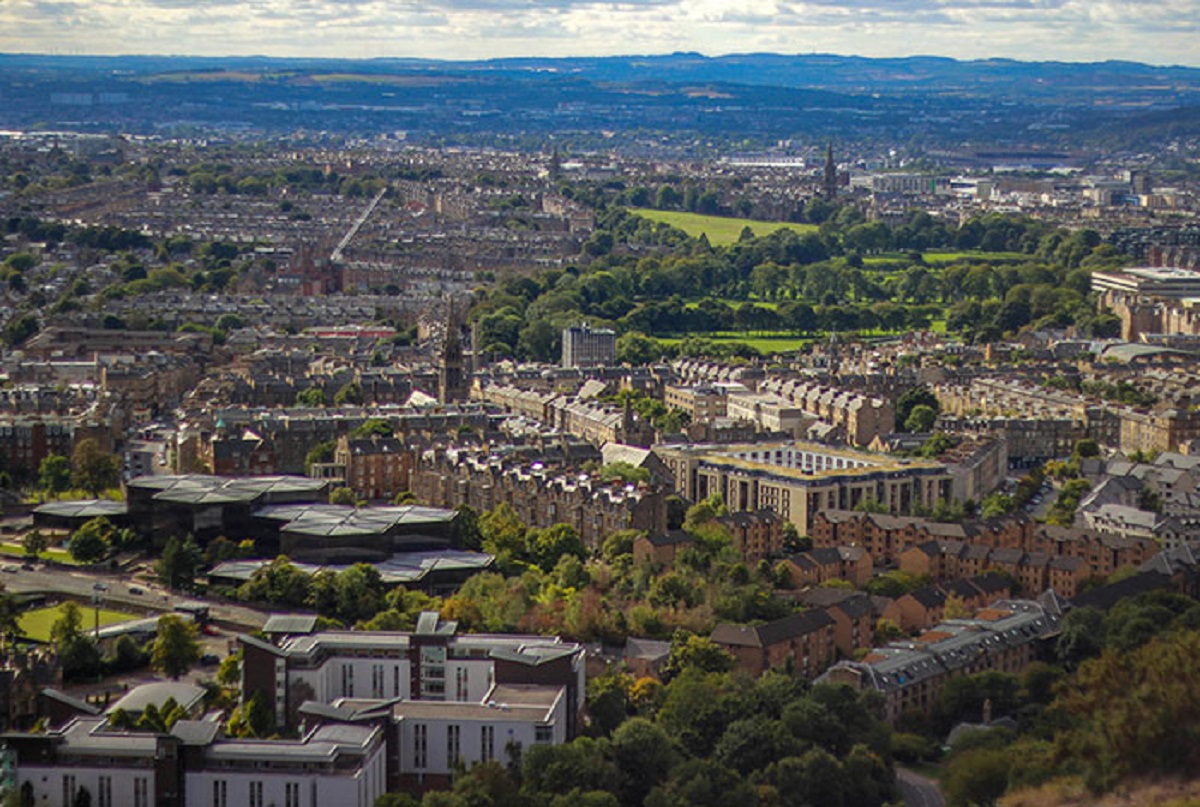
(748, 98)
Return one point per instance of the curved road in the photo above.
(155, 598)
(917, 790)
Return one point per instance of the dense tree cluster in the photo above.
(646, 278)
(704, 738)
(546, 582)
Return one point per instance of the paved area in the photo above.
(917, 790)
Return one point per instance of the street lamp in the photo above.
(98, 590)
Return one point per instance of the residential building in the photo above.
(804, 642)
(757, 534)
(822, 564)
(375, 467)
(584, 346)
(343, 765)
(911, 674)
(800, 480)
(432, 663)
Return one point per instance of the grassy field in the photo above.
(720, 230)
(36, 624)
(765, 344)
(939, 258)
(17, 551)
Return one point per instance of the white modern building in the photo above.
(433, 663)
(343, 765)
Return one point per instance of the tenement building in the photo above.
(911, 674)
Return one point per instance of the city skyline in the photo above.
(1065, 30)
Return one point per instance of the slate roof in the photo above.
(772, 633)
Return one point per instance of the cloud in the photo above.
(1147, 30)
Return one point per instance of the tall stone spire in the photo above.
(830, 182)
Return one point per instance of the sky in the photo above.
(1154, 31)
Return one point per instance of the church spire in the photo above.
(830, 182)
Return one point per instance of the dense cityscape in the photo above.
(521, 434)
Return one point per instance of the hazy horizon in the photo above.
(1160, 33)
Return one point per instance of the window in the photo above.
(543, 734)
(256, 794)
(452, 744)
(68, 783)
(141, 792)
(461, 684)
(219, 793)
(420, 737)
(291, 794)
(487, 743)
(347, 681)
(105, 791)
(396, 681)
(377, 680)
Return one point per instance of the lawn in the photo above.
(764, 344)
(720, 230)
(53, 553)
(36, 624)
(936, 258)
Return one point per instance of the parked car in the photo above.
(136, 590)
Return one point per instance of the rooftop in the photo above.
(202, 489)
(156, 694)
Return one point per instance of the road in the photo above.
(65, 580)
(917, 790)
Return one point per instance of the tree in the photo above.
(503, 531)
(920, 419)
(359, 592)
(176, 647)
(343, 495)
(546, 546)
(35, 542)
(637, 349)
(749, 744)
(54, 474)
(92, 541)
(976, 778)
(179, 563)
(350, 393)
(9, 614)
(645, 754)
(95, 470)
(313, 396)
(913, 397)
(254, 718)
(76, 649)
(696, 652)
(321, 452)
(465, 527)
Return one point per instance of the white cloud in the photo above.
(1162, 31)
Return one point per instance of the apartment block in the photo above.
(911, 674)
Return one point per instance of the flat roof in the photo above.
(336, 519)
(158, 693)
(403, 567)
(1163, 273)
(204, 489)
(323, 744)
(84, 508)
(734, 455)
